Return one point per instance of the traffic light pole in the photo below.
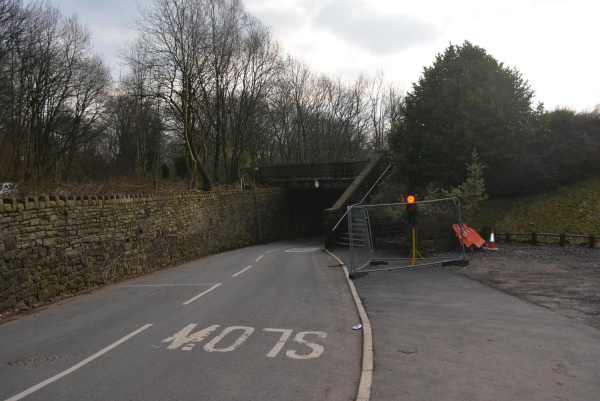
(413, 255)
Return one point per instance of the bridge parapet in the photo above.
(330, 175)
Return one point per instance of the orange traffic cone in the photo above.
(492, 242)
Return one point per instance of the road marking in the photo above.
(293, 246)
(241, 271)
(317, 349)
(300, 250)
(210, 347)
(80, 364)
(205, 292)
(259, 258)
(183, 337)
(272, 250)
(286, 334)
(187, 340)
(163, 285)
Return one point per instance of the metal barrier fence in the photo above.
(381, 237)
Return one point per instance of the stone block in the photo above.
(10, 242)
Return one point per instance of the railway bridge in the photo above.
(323, 190)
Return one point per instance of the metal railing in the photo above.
(562, 237)
(364, 197)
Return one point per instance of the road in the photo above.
(265, 322)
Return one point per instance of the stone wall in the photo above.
(54, 246)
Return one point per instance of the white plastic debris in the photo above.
(357, 327)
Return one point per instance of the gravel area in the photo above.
(565, 280)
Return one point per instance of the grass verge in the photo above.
(574, 209)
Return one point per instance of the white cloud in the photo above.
(370, 29)
(552, 42)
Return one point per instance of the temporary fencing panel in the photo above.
(383, 237)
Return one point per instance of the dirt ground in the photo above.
(565, 280)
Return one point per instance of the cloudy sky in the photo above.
(554, 43)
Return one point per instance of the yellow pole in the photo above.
(414, 246)
(413, 255)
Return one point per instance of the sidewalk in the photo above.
(441, 336)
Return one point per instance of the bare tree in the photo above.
(172, 33)
(51, 81)
(385, 100)
(253, 79)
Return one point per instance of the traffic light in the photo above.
(411, 209)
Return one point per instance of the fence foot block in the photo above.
(460, 263)
(354, 276)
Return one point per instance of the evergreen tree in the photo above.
(467, 100)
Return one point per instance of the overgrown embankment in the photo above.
(574, 209)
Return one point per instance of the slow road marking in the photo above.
(80, 364)
(211, 346)
(186, 340)
(198, 296)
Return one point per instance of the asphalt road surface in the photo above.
(269, 322)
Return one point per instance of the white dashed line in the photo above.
(163, 285)
(205, 292)
(272, 250)
(241, 271)
(259, 258)
(74, 368)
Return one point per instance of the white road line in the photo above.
(284, 337)
(74, 368)
(241, 271)
(163, 285)
(205, 292)
(259, 258)
(272, 250)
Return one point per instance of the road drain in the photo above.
(34, 360)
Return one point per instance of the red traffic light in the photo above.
(410, 199)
